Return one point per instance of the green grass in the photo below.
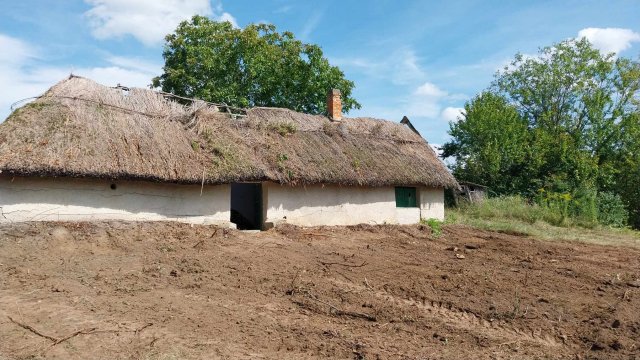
(435, 225)
(515, 215)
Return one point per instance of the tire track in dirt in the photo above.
(468, 321)
(460, 318)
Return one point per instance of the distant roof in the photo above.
(462, 182)
(79, 128)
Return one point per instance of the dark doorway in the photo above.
(246, 206)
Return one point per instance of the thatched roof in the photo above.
(82, 129)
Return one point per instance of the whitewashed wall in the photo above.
(334, 205)
(431, 203)
(64, 199)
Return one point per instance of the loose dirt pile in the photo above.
(172, 291)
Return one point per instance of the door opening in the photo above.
(246, 205)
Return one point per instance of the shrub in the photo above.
(569, 208)
(611, 210)
(584, 208)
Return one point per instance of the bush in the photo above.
(611, 210)
(575, 208)
(584, 207)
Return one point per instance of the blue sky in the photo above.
(422, 59)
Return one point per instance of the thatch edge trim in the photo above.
(4, 172)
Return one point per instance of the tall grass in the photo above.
(514, 214)
(518, 208)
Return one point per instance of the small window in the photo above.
(406, 197)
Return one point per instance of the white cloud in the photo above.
(221, 15)
(452, 114)
(225, 16)
(408, 69)
(283, 9)
(401, 66)
(437, 148)
(149, 21)
(13, 84)
(426, 101)
(137, 64)
(113, 75)
(430, 90)
(14, 51)
(21, 75)
(610, 40)
(311, 24)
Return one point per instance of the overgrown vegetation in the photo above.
(434, 224)
(556, 218)
(40, 106)
(329, 128)
(282, 166)
(226, 157)
(561, 210)
(283, 128)
(561, 129)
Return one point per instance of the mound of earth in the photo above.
(173, 291)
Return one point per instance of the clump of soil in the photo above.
(168, 290)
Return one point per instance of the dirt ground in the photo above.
(173, 291)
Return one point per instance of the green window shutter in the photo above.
(406, 197)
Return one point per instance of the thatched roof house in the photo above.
(80, 134)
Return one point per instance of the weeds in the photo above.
(377, 129)
(555, 210)
(356, 164)
(284, 128)
(282, 166)
(518, 208)
(329, 128)
(434, 224)
(515, 215)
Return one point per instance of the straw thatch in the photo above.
(82, 129)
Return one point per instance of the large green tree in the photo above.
(580, 101)
(254, 66)
(579, 111)
(491, 144)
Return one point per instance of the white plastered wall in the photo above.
(431, 203)
(65, 199)
(350, 205)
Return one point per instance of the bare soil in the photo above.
(173, 291)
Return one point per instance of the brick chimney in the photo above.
(334, 105)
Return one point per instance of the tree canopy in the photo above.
(565, 121)
(254, 66)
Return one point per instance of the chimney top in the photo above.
(334, 104)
